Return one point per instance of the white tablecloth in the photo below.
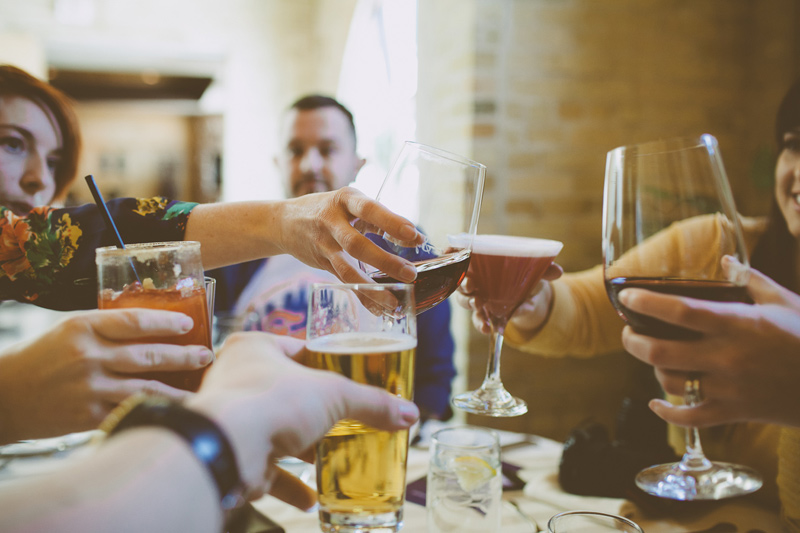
(541, 498)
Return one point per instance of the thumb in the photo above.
(765, 290)
(376, 407)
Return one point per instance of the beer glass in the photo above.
(441, 194)
(367, 333)
(668, 219)
(163, 275)
(464, 487)
(590, 522)
(504, 269)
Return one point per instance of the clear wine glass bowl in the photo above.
(441, 194)
(668, 219)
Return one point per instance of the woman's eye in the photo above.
(53, 163)
(13, 145)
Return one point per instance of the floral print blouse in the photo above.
(47, 256)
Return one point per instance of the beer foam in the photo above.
(362, 343)
(507, 245)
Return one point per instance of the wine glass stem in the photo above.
(492, 380)
(694, 458)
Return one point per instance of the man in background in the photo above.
(318, 154)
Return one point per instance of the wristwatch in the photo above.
(205, 438)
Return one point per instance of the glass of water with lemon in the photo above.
(464, 487)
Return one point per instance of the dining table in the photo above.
(526, 509)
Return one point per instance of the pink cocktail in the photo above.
(504, 270)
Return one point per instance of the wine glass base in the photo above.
(722, 480)
(481, 404)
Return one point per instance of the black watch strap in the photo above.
(206, 439)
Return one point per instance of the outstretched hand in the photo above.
(271, 407)
(748, 359)
(319, 230)
(69, 378)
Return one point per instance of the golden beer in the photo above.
(361, 471)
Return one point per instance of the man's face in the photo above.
(318, 152)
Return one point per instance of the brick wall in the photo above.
(554, 86)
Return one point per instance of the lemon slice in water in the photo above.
(472, 472)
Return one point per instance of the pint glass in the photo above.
(367, 333)
(165, 275)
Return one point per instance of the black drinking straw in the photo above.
(101, 204)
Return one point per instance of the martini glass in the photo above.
(504, 270)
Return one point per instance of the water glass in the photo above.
(464, 488)
(590, 522)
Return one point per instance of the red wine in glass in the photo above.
(668, 220)
(717, 291)
(437, 278)
(503, 269)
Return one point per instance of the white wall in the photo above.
(264, 53)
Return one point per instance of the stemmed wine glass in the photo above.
(668, 219)
(441, 194)
(504, 269)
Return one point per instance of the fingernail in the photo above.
(409, 412)
(407, 232)
(204, 356)
(314, 508)
(409, 272)
(656, 403)
(624, 297)
(186, 323)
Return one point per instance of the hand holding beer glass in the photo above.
(367, 333)
(441, 194)
(167, 275)
(503, 269)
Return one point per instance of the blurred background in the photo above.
(183, 98)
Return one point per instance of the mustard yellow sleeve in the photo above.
(789, 478)
(582, 321)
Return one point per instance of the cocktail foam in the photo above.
(507, 245)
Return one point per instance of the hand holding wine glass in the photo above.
(441, 194)
(668, 219)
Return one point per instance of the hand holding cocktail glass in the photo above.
(503, 271)
(166, 276)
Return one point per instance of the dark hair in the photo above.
(774, 255)
(317, 101)
(17, 82)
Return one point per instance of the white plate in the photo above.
(27, 448)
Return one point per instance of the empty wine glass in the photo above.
(668, 219)
(441, 194)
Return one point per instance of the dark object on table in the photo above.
(594, 465)
(248, 519)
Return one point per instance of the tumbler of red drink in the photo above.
(165, 275)
(503, 270)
